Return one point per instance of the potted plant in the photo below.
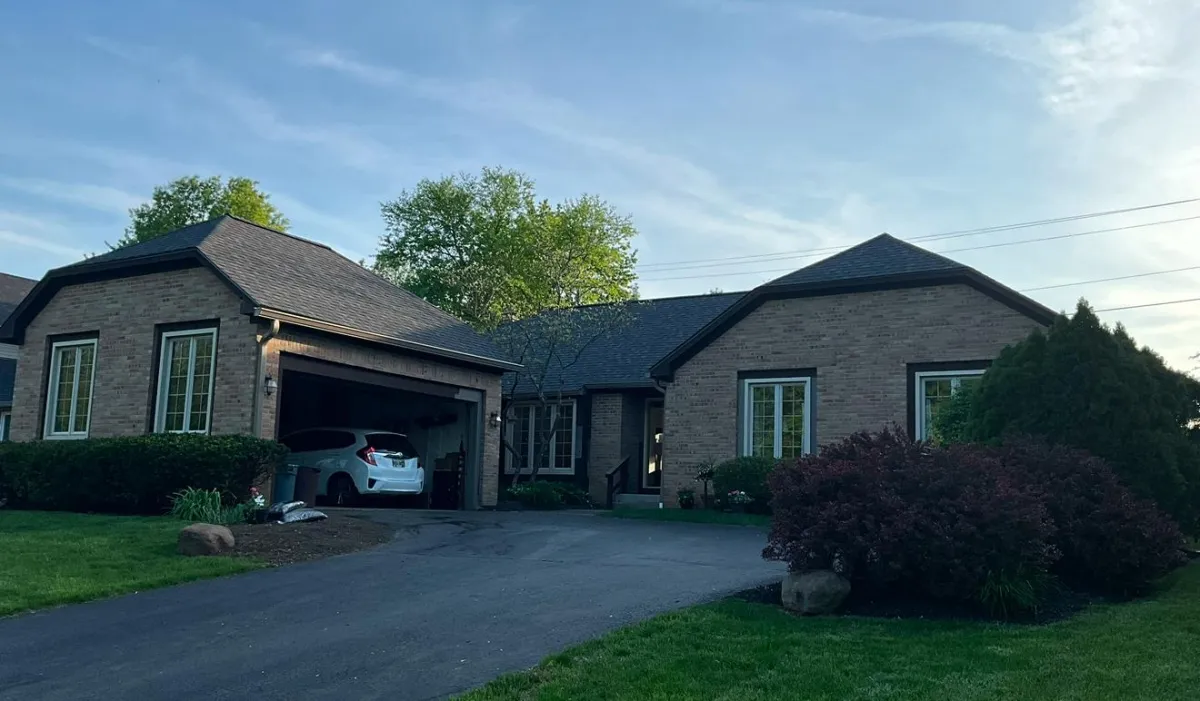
(257, 507)
(687, 498)
(737, 500)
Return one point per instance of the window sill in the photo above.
(65, 436)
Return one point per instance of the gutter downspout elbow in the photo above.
(260, 377)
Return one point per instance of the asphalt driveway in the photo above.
(454, 601)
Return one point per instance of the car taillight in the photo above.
(367, 455)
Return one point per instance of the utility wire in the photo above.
(1151, 304)
(953, 250)
(786, 255)
(1109, 279)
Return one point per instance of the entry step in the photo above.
(636, 501)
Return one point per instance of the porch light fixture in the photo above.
(494, 420)
(270, 385)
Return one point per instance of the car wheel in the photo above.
(342, 491)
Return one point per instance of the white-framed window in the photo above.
(529, 433)
(69, 392)
(777, 417)
(5, 421)
(185, 381)
(934, 389)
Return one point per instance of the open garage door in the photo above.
(443, 423)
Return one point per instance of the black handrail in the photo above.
(617, 479)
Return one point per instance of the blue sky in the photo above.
(724, 127)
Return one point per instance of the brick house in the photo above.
(12, 290)
(878, 334)
(228, 327)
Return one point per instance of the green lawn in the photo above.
(50, 558)
(734, 650)
(691, 516)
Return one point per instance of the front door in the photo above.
(652, 460)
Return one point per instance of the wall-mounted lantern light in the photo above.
(494, 420)
(270, 385)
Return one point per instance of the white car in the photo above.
(355, 461)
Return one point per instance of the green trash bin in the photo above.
(285, 484)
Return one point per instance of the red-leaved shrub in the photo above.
(1111, 542)
(966, 522)
(908, 519)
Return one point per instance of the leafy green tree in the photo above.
(1084, 385)
(192, 199)
(485, 249)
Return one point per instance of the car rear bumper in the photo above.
(388, 484)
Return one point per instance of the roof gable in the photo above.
(880, 263)
(308, 282)
(884, 255)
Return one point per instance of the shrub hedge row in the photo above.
(131, 475)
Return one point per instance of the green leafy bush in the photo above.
(745, 474)
(572, 495)
(536, 495)
(132, 475)
(207, 506)
(1083, 385)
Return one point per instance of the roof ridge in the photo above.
(921, 249)
(273, 230)
(848, 254)
(656, 299)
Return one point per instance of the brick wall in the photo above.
(860, 345)
(349, 352)
(124, 312)
(604, 448)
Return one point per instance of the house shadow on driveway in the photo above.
(456, 599)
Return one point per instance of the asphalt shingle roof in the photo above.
(646, 331)
(12, 290)
(290, 274)
(881, 256)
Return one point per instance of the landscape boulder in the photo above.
(814, 593)
(205, 539)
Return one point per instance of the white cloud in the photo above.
(258, 115)
(1088, 69)
(98, 197)
(698, 193)
(41, 244)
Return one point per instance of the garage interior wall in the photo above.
(484, 385)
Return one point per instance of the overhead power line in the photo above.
(1110, 279)
(952, 250)
(1150, 304)
(809, 253)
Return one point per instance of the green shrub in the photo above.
(536, 495)
(1007, 594)
(207, 506)
(745, 474)
(572, 495)
(132, 475)
(1083, 385)
(950, 421)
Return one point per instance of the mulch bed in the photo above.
(1061, 606)
(281, 544)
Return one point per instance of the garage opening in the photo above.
(345, 421)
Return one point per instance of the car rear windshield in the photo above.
(392, 443)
